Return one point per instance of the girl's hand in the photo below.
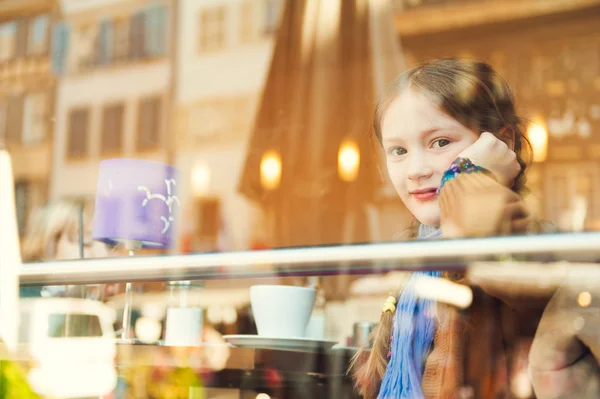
(493, 154)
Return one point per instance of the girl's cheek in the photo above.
(396, 176)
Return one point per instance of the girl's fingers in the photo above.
(515, 211)
(520, 226)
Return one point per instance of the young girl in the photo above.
(456, 155)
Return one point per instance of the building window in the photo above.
(212, 29)
(136, 36)
(21, 204)
(208, 224)
(62, 59)
(112, 129)
(155, 41)
(35, 121)
(8, 40)
(29, 195)
(105, 42)
(78, 136)
(14, 119)
(247, 25)
(272, 11)
(3, 115)
(148, 33)
(86, 45)
(22, 38)
(37, 40)
(141, 35)
(121, 39)
(149, 123)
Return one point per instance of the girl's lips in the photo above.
(425, 195)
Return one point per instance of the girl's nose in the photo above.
(418, 168)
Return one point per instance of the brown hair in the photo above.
(472, 93)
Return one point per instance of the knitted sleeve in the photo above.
(471, 205)
(475, 205)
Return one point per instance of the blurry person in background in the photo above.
(564, 361)
(53, 234)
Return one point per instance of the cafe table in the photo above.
(148, 370)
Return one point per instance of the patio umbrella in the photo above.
(316, 113)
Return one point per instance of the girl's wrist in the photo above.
(462, 166)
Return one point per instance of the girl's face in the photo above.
(420, 143)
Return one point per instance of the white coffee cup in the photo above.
(282, 311)
(183, 327)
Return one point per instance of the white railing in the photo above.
(346, 259)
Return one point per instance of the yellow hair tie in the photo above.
(389, 305)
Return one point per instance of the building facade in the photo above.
(224, 50)
(112, 60)
(27, 90)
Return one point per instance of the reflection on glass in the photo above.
(584, 299)
(270, 170)
(348, 161)
(538, 137)
(200, 179)
(267, 108)
(73, 325)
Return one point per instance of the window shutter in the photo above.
(106, 41)
(14, 121)
(60, 48)
(137, 35)
(155, 30)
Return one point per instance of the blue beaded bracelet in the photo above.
(461, 166)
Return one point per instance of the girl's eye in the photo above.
(440, 143)
(397, 151)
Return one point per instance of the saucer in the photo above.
(286, 344)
